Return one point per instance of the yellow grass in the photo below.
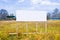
(53, 30)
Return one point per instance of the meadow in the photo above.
(12, 30)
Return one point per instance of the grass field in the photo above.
(8, 27)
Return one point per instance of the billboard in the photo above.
(31, 15)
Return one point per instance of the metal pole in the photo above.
(46, 29)
(17, 30)
(26, 28)
(36, 27)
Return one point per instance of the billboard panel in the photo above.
(29, 15)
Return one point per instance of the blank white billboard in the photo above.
(29, 15)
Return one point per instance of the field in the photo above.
(12, 30)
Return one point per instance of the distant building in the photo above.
(11, 18)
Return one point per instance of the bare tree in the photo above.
(3, 14)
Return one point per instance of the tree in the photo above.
(56, 10)
(48, 16)
(12, 14)
(56, 13)
(3, 14)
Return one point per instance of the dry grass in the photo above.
(53, 30)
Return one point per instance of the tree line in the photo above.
(54, 15)
(4, 15)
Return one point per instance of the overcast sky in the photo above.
(44, 5)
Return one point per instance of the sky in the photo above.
(44, 5)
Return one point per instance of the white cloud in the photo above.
(44, 5)
(39, 5)
(49, 3)
(20, 1)
(44, 2)
(5, 0)
(34, 1)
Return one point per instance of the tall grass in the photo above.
(6, 27)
